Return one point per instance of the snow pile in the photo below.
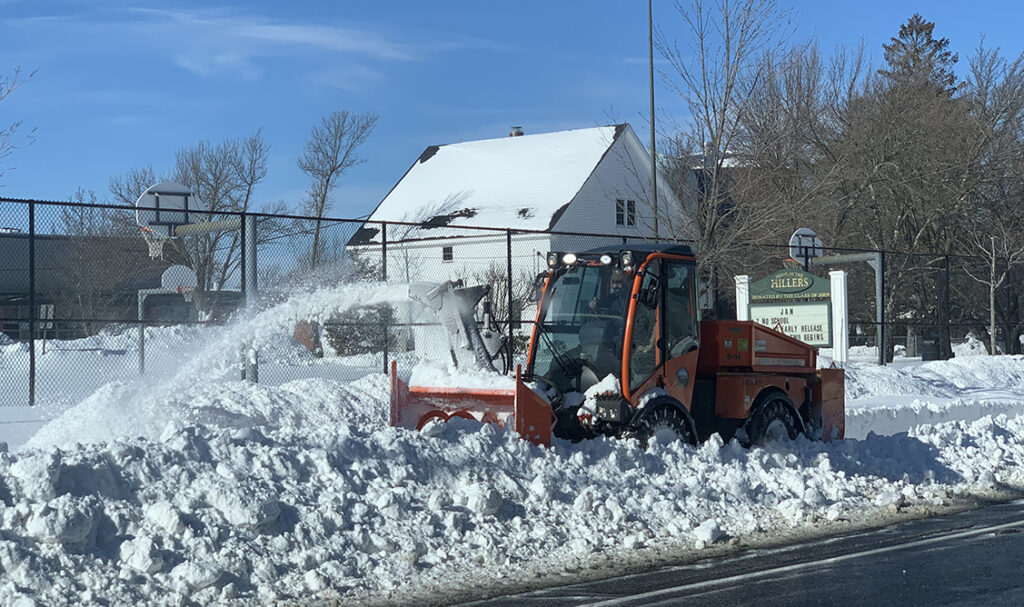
(972, 346)
(945, 378)
(336, 504)
(892, 399)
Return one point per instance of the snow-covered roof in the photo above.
(518, 182)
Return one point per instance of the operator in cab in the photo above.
(616, 301)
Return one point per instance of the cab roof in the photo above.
(644, 249)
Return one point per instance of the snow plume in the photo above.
(144, 406)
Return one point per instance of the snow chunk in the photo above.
(706, 533)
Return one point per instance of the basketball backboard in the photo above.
(164, 206)
(805, 244)
(176, 278)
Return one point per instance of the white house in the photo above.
(594, 181)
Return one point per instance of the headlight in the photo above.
(569, 259)
(626, 259)
(553, 260)
(683, 376)
(606, 260)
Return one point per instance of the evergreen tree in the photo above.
(917, 58)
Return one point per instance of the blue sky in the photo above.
(125, 84)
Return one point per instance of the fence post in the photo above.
(384, 278)
(252, 368)
(508, 258)
(945, 338)
(241, 244)
(880, 308)
(31, 304)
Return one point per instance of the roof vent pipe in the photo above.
(517, 131)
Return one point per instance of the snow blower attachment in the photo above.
(472, 350)
(624, 317)
(455, 307)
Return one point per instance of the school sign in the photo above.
(796, 303)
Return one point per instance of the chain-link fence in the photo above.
(84, 303)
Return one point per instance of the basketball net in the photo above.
(155, 242)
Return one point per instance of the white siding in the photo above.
(623, 173)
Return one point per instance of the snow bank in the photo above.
(944, 378)
(329, 502)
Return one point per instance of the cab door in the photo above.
(681, 334)
(663, 337)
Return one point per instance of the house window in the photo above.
(446, 253)
(625, 212)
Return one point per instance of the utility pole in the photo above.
(654, 155)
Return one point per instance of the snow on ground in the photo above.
(201, 488)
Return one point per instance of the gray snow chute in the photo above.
(455, 306)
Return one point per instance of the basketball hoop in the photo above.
(155, 242)
(187, 292)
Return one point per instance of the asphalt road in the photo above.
(965, 559)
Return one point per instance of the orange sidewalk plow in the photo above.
(520, 409)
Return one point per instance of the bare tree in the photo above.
(1003, 251)
(104, 262)
(127, 188)
(11, 136)
(330, 151)
(994, 90)
(716, 76)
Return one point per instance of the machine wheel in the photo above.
(774, 420)
(664, 421)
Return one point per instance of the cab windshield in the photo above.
(579, 337)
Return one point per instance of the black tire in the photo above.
(773, 420)
(664, 419)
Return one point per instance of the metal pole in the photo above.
(384, 278)
(31, 304)
(252, 369)
(508, 254)
(880, 305)
(142, 335)
(241, 238)
(654, 154)
(947, 350)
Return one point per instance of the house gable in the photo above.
(622, 174)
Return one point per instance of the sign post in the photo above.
(840, 318)
(742, 297)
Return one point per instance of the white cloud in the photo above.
(219, 42)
